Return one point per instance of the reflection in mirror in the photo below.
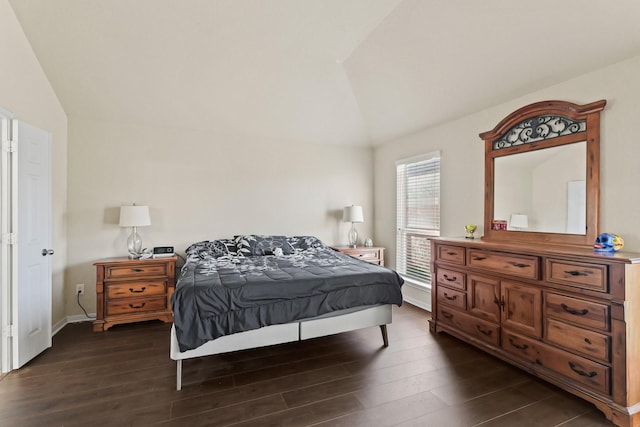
(542, 190)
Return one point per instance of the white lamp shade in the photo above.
(352, 214)
(134, 216)
(519, 221)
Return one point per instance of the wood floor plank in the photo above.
(124, 377)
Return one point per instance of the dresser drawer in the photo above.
(591, 276)
(136, 289)
(575, 310)
(453, 279)
(452, 297)
(124, 271)
(589, 343)
(484, 331)
(521, 265)
(136, 305)
(453, 254)
(590, 374)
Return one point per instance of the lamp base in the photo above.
(353, 236)
(134, 244)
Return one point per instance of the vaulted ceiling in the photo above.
(353, 72)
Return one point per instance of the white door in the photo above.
(31, 204)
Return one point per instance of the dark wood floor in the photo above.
(125, 377)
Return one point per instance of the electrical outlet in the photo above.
(80, 289)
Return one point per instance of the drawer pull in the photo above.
(138, 270)
(578, 273)
(581, 372)
(569, 310)
(519, 347)
(519, 264)
(479, 258)
(447, 315)
(452, 298)
(137, 306)
(588, 341)
(487, 333)
(449, 279)
(135, 291)
(452, 253)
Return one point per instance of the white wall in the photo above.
(463, 156)
(26, 92)
(200, 185)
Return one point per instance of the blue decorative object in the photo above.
(608, 242)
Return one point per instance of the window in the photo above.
(418, 215)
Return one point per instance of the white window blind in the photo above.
(418, 215)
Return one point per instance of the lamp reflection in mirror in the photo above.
(353, 214)
(519, 221)
(134, 217)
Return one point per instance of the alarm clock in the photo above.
(163, 251)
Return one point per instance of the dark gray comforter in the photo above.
(222, 295)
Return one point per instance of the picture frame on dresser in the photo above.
(545, 301)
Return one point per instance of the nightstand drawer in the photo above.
(136, 289)
(373, 255)
(136, 305)
(124, 271)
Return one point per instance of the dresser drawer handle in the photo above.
(449, 279)
(578, 273)
(447, 315)
(138, 270)
(479, 258)
(573, 311)
(452, 253)
(137, 306)
(581, 372)
(136, 291)
(519, 264)
(519, 347)
(487, 333)
(453, 298)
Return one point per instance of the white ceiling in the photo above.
(352, 72)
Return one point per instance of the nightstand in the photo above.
(133, 290)
(374, 254)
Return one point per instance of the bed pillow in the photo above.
(212, 249)
(303, 243)
(255, 245)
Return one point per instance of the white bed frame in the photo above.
(329, 324)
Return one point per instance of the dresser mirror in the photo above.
(542, 174)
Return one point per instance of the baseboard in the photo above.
(418, 296)
(70, 319)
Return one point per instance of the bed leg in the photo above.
(179, 375)
(385, 337)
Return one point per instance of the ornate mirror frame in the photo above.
(536, 127)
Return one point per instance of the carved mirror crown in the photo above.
(542, 174)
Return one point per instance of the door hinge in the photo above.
(10, 238)
(8, 146)
(7, 331)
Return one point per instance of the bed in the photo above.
(253, 291)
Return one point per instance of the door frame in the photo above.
(6, 249)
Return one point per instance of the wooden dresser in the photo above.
(373, 254)
(568, 315)
(133, 290)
